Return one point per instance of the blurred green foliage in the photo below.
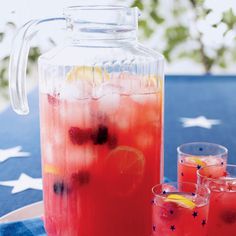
(4, 64)
(178, 32)
(175, 35)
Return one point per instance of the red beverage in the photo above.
(222, 211)
(101, 156)
(188, 166)
(193, 156)
(180, 213)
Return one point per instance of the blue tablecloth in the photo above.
(185, 96)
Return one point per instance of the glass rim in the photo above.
(97, 7)
(224, 149)
(210, 166)
(207, 194)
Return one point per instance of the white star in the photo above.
(12, 152)
(200, 121)
(23, 183)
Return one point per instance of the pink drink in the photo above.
(188, 166)
(222, 211)
(180, 213)
(193, 156)
(100, 158)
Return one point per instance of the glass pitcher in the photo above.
(101, 116)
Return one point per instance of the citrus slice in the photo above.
(152, 80)
(94, 75)
(180, 200)
(197, 161)
(125, 169)
(51, 169)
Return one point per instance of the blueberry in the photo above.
(82, 177)
(59, 187)
(100, 136)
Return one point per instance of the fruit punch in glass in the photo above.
(193, 156)
(101, 154)
(222, 211)
(180, 209)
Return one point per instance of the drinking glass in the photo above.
(193, 156)
(222, 210)
(180, 209)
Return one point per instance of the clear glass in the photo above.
(101, 115)
(180, 209)
(222, 211)
(193, 156)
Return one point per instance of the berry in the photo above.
(168, 210)
(100, 136)
(82, 177)
(79, 136)
(59, 188)
(229, 216)
(53, 100)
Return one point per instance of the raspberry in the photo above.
(168, 210)
(53, 100)
(82, 177)
(79, 136)
(100, 136)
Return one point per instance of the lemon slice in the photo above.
(181, 200)
(125, 169)
(197, 161)
(94, 75)
(50, 169)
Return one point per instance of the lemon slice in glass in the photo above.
(180, 200)
(197, 161)
(94, 75)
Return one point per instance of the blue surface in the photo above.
(185, 96)
(30, 227)
(190, 96)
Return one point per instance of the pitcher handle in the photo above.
(18, 63)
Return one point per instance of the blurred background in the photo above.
(196, 36)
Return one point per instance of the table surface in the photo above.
(212, 97)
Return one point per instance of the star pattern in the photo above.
(24, 182)
(199, 167)
(203, 222)
(195, 214)
(200, 121)
(172, 227)
(12, 152)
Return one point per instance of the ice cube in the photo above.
(81, 156)
(211, 160)
(79, 89)
(49, 153)
(109, 104)
(144, 139)
(144, 98)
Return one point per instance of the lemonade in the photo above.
(188, 166)
(222, 211)
(180, 212)
(101, 156)
(196, 155)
